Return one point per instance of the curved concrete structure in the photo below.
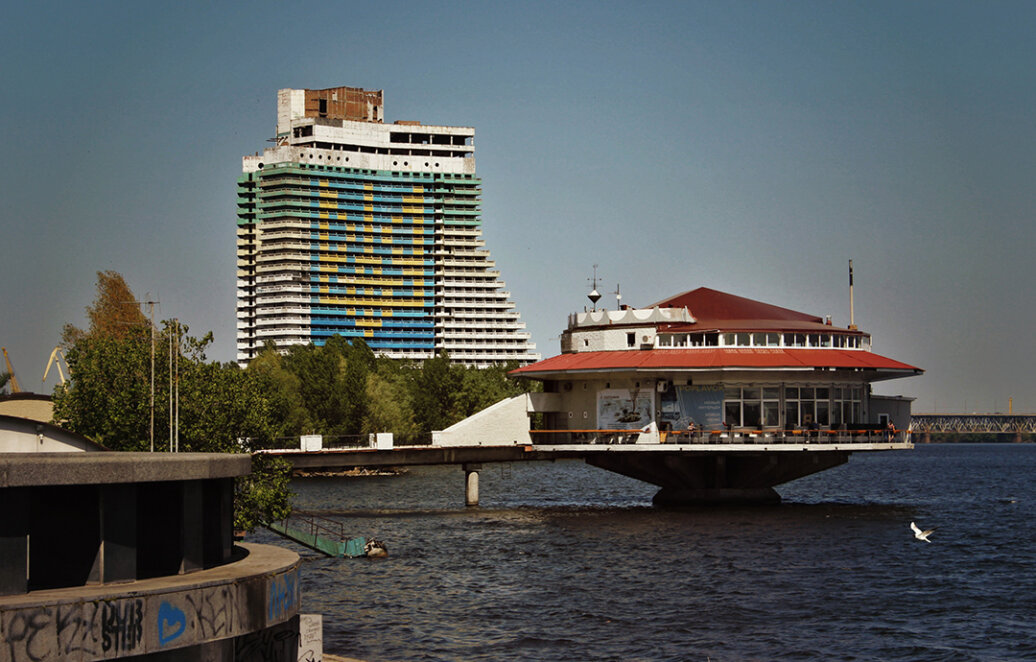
(130, 555)
(220, 613)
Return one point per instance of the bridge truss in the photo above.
(973, 423)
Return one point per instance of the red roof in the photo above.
(714, 358)
(718, 310)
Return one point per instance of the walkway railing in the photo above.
(320, 534)
(327, 442)
(721, 436)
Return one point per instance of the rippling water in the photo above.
(567, 562)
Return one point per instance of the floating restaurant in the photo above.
(709, 366)
(711, 396)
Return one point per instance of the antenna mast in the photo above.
(852, 312)
(594, 295)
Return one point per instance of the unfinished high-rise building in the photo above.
(354, 227)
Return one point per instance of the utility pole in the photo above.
(176, 369)
(170, 390)
(151, 313)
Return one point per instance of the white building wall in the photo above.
(506, 422)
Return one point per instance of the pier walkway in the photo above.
(320, 534)
(713, 466)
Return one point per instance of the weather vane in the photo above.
(594, 295)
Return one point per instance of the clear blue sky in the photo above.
(751, 147)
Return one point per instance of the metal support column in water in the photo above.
(471, 484)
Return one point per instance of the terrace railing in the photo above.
(870, 435)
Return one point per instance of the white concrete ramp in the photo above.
(506, 422)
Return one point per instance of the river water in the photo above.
(563, 561)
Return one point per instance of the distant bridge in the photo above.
(974, 423)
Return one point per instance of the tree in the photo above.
(288, 416)
(318, 371)
(222, 408)
(114, 312)
(4, 378)
(482, 387)
(435, 386)
(262, 497)
(388, 407)
(359, 359)
(107, 397)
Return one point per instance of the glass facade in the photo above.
(761, 407)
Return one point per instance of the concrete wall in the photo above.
(24, 435)
(227, 613)
(897, 408)
(130, 556)
(601, 340)
(506, 422)
(349, 159)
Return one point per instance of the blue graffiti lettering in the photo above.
(283, 595)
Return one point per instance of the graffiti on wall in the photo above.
(283, 597)
(100, 629)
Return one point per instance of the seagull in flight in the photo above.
(921, 535)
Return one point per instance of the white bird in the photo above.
(921, 535)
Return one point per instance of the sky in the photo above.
(749, 147)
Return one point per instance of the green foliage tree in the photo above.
(222, 408)
(108, 395)
(288, 416)
(388, 407)
(262, 496)
(435, 387)
(318, 370)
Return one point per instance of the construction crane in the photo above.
(13, 382)
(57, 357)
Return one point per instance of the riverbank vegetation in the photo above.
(121, 364)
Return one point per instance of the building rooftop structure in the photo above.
(708, 330)
(363, 229)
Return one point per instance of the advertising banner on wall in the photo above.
(703, 405)
(682, 404)
(625, 409)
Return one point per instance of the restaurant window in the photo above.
(794, 340)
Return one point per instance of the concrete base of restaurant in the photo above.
(717, 477)
(707, 497)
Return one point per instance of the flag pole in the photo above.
(852, 312)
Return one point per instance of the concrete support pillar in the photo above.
(118, 532)
(14, 541)
(192, 527)
(218, 520)
(471, 484)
